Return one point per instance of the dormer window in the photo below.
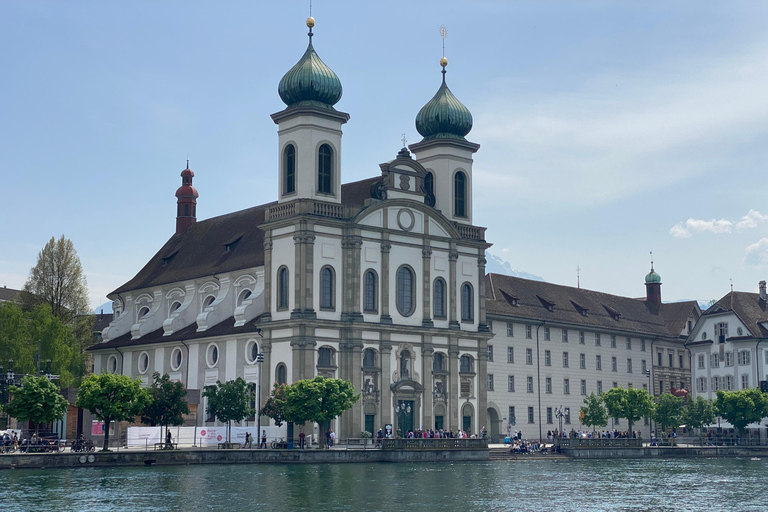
(168, 258)
(582, 310)
(230, 246)
(614, 314)
(550, 306)
(208, 301)
(144, 311)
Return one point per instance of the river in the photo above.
(563, 485)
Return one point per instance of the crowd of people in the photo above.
(588, 434)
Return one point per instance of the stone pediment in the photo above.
(408, 386)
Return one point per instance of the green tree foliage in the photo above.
(37, 400)
(58, 280)
(631, 404)
(20, 332)
(274, 407)
(111, 397)
(698, 412)
(167, 405)
(594, 413)
(229, 401)
(742, 407)
(668, 411)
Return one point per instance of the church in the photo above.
(380, 282)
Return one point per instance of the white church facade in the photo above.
(379, 282)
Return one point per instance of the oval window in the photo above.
(176, 359)
(143, 363)
(212, 355)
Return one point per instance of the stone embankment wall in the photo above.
(183, 457)
(665, 452)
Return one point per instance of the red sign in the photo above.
(202, 433)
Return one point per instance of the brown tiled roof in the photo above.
(747, 306)
(635, 315)
(223, 328)
(676, 314)
(200, 250)
(8, 294)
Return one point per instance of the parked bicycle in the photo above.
(279, 444)
(82, 445)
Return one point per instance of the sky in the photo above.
(607, 129)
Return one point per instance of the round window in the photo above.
(112, 364)
(251, 351)
(176, 359)
(143, 363)
(212, 355)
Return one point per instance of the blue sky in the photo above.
(607, 129)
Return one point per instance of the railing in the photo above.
(615, 442)
(471, 232)
(307, 207)
(434, 444)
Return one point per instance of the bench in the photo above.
(229, 446)
(166, 446)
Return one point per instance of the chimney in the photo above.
(763, 295)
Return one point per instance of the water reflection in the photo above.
(636, 485)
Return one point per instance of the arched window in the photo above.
(244, 295)
(208, 301)
(405, 291)
(144, 311)
(325, 356)
(466, 302)
(326, 288)
(186, 210)
(175, 306)
(325, 169)
(429, 183)
(439, 299)
(369, 295)
(460, 194)
(369, 358)
(282, 374)
(282, 288)
(437, 362)
(465, 364)
(289, 169)
(405, 364)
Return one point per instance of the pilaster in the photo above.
(454, 402)
(426, 267)
(385, 350)
(267, 315)
(385, 248)
(426, 370)
(453, 298)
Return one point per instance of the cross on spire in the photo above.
(405, 141)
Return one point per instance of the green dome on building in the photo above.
(310, 82)
(444, 117)
(652, 277)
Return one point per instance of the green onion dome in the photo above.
(444, 117)
(652, 277)
(310, 82)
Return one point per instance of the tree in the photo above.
(21, 332)
(698, 412)
(668, 411)
(274, 407)
(593, 412)
(58, 280)
(111, 397)
(167, 405)
(742, 407)
(632, 404)
(37, 400)
(229, 401)
(319, 400)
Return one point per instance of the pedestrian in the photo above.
(248, 440)
(379, 437)
(168, 439)
(263, 439)
(333, 438)
(302, 436)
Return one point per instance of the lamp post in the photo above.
(401, 410)
(259, 359)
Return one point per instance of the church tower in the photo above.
(309, 130)
(653, 287)
(186, 201)
(445, 153)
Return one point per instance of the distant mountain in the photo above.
(496, 265)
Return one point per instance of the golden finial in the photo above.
(443, 62)
(310, 22)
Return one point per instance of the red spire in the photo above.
(186, 204)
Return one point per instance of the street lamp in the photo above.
(259, 359)
(401, 410)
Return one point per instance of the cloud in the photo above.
(757, 253)
(751, 220)
(685, 230)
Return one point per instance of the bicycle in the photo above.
(279, 443)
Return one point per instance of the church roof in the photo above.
(224, 328)
(310, 82)
(444, 116)
(540, 301)
(225, 243)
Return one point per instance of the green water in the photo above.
(633, 485)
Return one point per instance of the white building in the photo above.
(379, 282)
(728, 346)
(553, 345)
